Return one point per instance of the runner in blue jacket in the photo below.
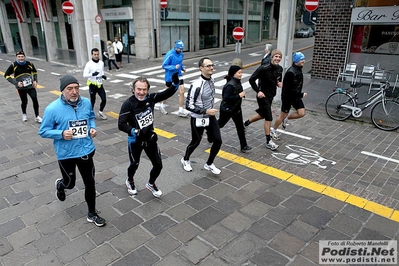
(69, 121)
(173, 63)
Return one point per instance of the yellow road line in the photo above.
(340, 195)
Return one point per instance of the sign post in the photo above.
(311, 5)
(67, 7)
(238, 34)
(164, 11)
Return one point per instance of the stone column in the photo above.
(61, 25)
(5, 29)
(142, 14)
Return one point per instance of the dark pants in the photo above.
(93, 90)
(87, 171)
(153, 153)
(113, 62)
(23, 94)
(238, 121)
(196, 136)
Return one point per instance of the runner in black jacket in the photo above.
(136, 118)
(270, 78)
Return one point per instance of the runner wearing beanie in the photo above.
(69, 121)
(270, 77)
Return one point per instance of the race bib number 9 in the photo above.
(202, 122)
(79, 128)
(27, 81)
(145, 118)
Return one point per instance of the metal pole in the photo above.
(39, 7)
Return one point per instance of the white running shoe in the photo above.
(182, 114)
(154, 190)
(186, 165)
(24, 117)
(212, 168)
(271, 145)
(131, 188)
(163, 110)
(38, 119)
(102, 115)
(275, 135)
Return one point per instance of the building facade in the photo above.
(365, 32)
(41, 28)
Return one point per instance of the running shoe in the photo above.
(97, 220)
(131, 188)
(102, 115)
(38, 119)
(59, 193)
(246, 148)
(275, 135)
(163, 110)
(153, 188)
(24, 117)
(271, 145)
(186, 165)
(212, 168)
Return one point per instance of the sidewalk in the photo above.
(261, 210)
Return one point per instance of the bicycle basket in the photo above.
(392, 92)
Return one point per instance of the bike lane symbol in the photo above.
(303, 156)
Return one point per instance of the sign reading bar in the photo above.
(374, 15)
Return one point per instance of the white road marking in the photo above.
(53, 73)
(293, 134)
(380, 156)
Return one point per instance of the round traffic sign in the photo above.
(98, 19)
(67, 7)
(311, 5)
(164, 4)
(238, 33)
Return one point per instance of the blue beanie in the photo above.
(298, 56)
(179, 44)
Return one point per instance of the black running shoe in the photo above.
(97, 220)
(60, 193)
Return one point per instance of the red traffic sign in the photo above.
(238, 33)
(164, 4)
(67, 7)
(311, 5)
(98, 19)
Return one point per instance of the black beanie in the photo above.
(66, 80)
(233, 69)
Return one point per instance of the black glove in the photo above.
(145, 131)
(175, 79)
(104, 77)
(95, 73)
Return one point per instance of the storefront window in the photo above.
(370, 3)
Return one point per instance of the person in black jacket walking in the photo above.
(291, 94)
(270, 78)
(230, 106)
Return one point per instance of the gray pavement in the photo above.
(255, 212)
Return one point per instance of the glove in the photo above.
(175, 79)
(146, 131)
(104, 77)
(132, 139)
(95, 73)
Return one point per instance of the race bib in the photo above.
(27, 81)
(99, 80)
(202, 122)
(79, 128)
(145, 118)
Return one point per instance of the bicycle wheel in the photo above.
(385, 115)
(334, 105)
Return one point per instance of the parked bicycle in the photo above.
(343, 103)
